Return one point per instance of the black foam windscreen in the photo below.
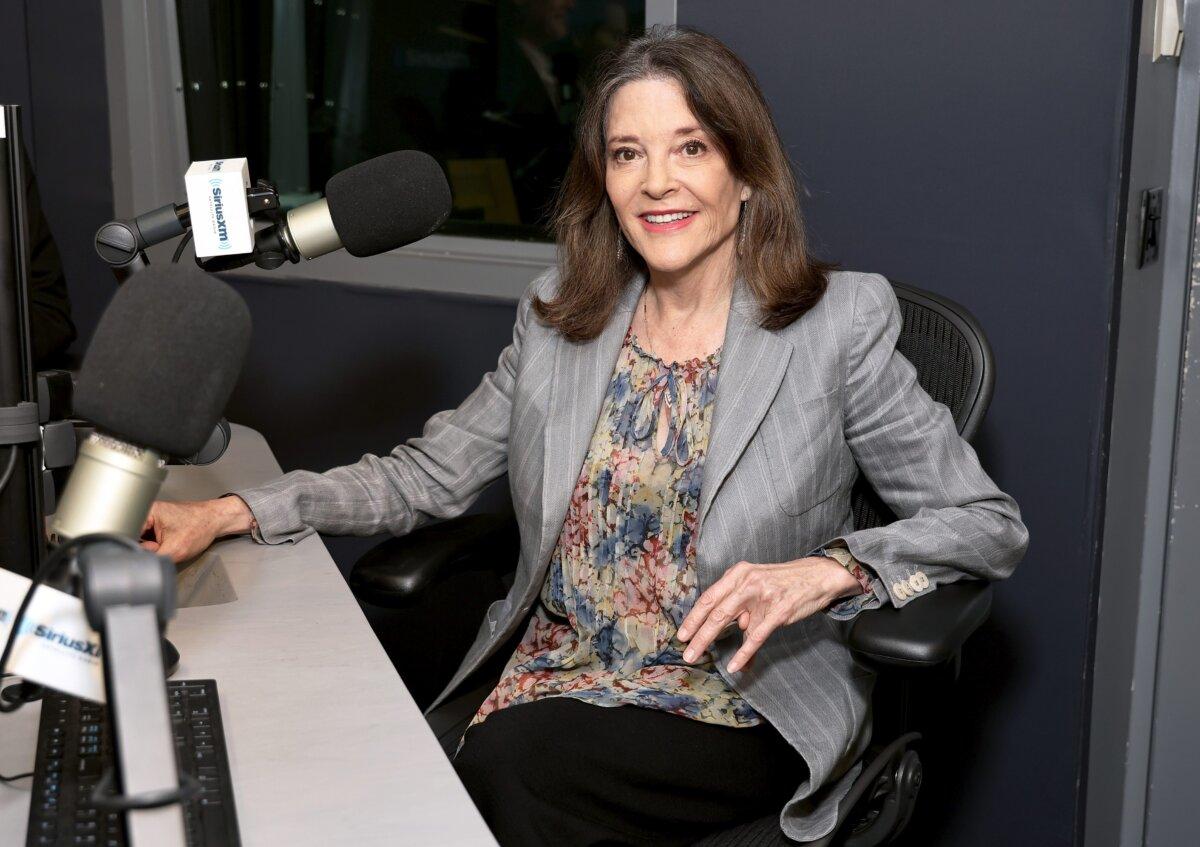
(164, 359)
(387, 202)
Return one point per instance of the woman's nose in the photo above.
(659, 177)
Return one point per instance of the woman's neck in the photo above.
(683, 315)
(678, 298)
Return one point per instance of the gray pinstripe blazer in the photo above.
(798, 412)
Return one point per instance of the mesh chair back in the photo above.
(954, 365)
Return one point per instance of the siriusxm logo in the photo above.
(218, 206)
(86, 648)
(216, 166)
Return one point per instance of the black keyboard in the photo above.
(75, 749)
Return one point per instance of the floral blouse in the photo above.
(622, 577)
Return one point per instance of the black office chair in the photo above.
(905, 646)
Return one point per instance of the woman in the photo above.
(624, 715)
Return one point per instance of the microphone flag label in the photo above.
(216, 192)
(55, 646)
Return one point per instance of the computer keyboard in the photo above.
(74, 750)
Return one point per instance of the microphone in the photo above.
(373, 207)
(156, 377)
(214, 448)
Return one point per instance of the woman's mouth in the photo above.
(666, 221)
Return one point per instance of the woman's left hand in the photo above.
(762, 598)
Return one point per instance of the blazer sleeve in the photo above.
(435, 476)
(953, 522)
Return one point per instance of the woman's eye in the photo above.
(624, 154)
(694, 148)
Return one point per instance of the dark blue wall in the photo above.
(976, 149)
(334, 372)
(52, 65)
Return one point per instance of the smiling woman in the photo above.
(686, 404)
(678, 127)
(676, 200)
(662, 186)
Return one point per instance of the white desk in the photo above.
(325, 744)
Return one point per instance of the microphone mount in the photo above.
(122, 244)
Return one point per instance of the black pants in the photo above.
(565, 772)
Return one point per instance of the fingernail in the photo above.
(688, 655)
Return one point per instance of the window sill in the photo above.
(441, 263)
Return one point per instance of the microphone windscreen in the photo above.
(164, 359)
(389, 201)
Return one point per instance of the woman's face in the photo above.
(675, 197)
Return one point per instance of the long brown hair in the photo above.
(725, 98)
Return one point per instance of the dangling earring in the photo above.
(620, 247)
(742, 227)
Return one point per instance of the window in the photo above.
(490, 88)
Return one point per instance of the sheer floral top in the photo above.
(622, 577)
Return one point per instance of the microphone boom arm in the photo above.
(272, 246)
(122, 244)
(129, 595)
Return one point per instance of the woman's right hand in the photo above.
(184, 530)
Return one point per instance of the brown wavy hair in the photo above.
(725, 98)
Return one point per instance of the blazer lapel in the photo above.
(582, 371)
(753, 362)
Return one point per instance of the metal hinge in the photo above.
(1168, 34)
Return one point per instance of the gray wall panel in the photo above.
(1117, 760)
(1175, 748)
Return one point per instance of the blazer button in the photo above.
(901, 590)
(914, 582)
(922, 580)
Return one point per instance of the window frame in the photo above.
(145, 84)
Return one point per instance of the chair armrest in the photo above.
(398, 571)
(924, 633)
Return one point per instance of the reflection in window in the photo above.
(491, 88)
